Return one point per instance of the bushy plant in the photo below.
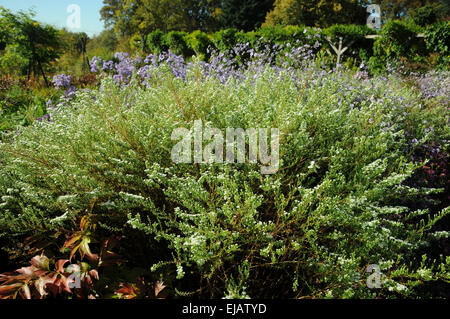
(338, 203)
(21, 105)
(200, 42)
(435, 85)
(438, 41)
(137, 43)
(176, 41)
(426, 15)
(354, 36)
(398, 39)
(289, 34)
(225, 39)
(156, 42)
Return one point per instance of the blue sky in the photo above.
(54, 12)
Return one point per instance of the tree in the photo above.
(204, 14)
(397, 9)
(165, 15)
(38, 44)
(81, 40)
(105, 41)
(244, 15)
(320, 13)
(130, 17)
(109, 12)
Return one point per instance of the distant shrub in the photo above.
(425, 15)
(225, 39)
(398, 39)
(289, 34)
(137, 43)
(12, 61)
(438, 40)
(156, 42)
(176, 41)
(360, 49)
(272, 35)
(247, 37)
(199, 42)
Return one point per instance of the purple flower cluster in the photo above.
(49, 105)
(124, 67)
(43, 118)
(435, 85)
(107, 66)
(95, 64)
(230, 64)
(62, 81)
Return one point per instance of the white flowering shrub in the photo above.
(339, 202)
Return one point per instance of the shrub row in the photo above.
(397, 39)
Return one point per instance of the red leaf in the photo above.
(159, 286)
(107, 257)
(54, 289)
(60, 265)
(65, 284)
(74, 250)
(94, 274)
(84, 247)
(9, 289)
(27, 271)
(128, 291)
(71, 241)
(41, 284)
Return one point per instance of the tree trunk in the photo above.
(29, 70)
(42, 71)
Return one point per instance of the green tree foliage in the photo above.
(166, 15)
(74, 59)
(199, 42)
(438, 41)
(36, 45)
(143, 16)
(396, 9)
(81, 41)
(429, 14)
(244, 15)
(321, 13)
(204, 13)
(156, 42)
(110, 12)
(103, 43)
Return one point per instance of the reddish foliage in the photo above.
(141, 290)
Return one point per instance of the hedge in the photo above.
(397, 39)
